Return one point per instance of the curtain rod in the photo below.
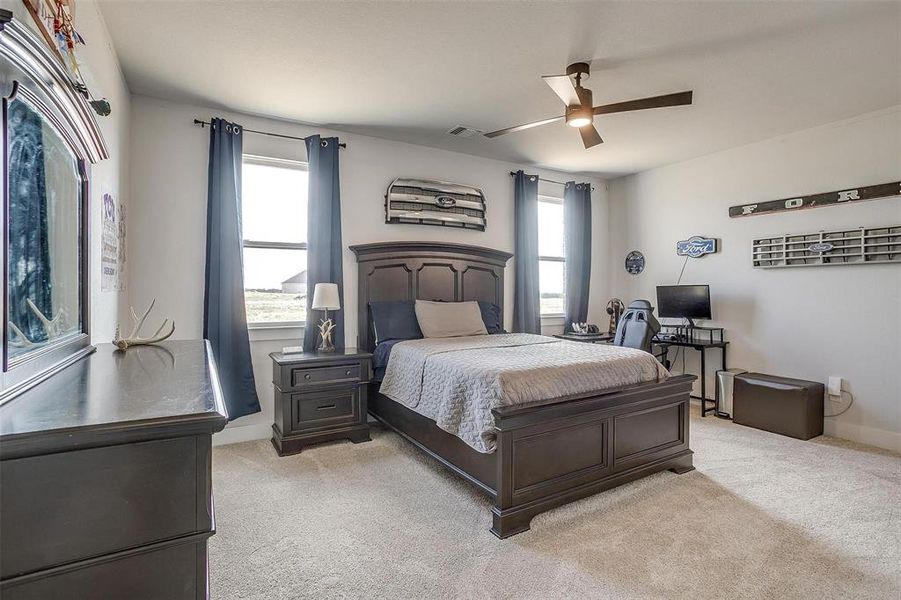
(540, 178)
(203, 124)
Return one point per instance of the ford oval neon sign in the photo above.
(696, 246)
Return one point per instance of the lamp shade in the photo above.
(325, 297)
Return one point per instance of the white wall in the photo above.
(807, 323)
(168, 217)
(100, 67)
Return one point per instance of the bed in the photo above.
(544, 452)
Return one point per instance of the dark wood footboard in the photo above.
(559, 451)
(554, 452)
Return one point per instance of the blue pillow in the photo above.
(394, 320)
(491, 315)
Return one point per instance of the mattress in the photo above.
(457, 382)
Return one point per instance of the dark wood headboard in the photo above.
(425, 271)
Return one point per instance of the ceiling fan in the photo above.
(579, 111)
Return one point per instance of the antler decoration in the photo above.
(134, 338)
(325, 330)
(21, 340)
(52, 327)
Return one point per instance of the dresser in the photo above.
(319, 397)
(106, 477)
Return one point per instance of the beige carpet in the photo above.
(763, 516)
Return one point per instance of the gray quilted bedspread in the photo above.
(457, 381)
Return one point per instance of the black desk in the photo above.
(590, 338)
(701, 346)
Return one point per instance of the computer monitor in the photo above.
(684, 302)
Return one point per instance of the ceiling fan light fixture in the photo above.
(576, 116)
(579, 122)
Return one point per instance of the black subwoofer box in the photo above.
(791, 407)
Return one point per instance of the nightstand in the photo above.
(318, 398)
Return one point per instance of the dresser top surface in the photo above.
(166, 384)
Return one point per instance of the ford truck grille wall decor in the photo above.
(871, 192)
(425, 202)
(859, 246)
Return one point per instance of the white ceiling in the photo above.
(410, 71)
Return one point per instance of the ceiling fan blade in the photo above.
(678, 99)
(563, 87)
(493, 134)
(590, 136)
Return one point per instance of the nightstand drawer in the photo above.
(325, 408)
(306, 376)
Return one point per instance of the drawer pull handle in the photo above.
(307, 376)
(326, 407)
(348, 372)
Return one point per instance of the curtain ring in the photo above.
(532, 178)
(324, 143)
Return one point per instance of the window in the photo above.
(551, 276)
(274, 206)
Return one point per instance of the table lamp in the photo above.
(325, 297)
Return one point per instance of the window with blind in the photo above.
(274, 211)
(551, 274)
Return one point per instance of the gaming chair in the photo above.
(637, 326)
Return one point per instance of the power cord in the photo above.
(679, 349)
(685, 262)
(844, 410)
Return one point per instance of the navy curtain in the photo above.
(29, 253)
(526, 302)
(224, 319)
(577, 250)
(324, 250)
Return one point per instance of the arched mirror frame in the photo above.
(29, 70)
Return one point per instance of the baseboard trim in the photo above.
(881, 438)
(244, 433)
(871, 436)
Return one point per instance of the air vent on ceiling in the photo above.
(464, 131)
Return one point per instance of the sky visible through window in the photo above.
(551, 278)
(274, 209)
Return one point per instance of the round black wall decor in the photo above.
(634, 262)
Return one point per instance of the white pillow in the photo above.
(449, 319)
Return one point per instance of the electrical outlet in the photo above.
(834, 388)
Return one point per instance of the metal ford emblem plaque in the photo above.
(820, 248)
(696, 246)
(634, 262)
(445, 201)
